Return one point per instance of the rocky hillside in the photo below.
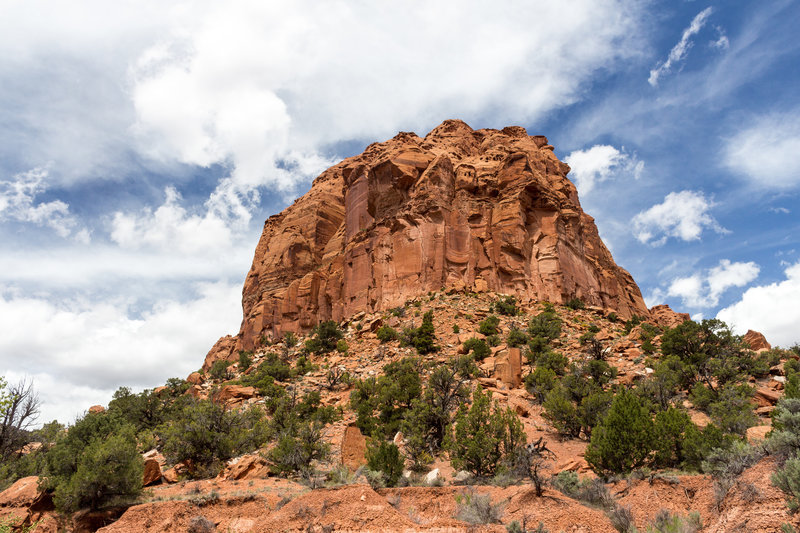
(460, 208)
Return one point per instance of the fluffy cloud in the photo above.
(704, 289)
(77, 352)
(682, 215)
(170, 227)
(765, 151)
(598, 164)
(17, 203)
(680, 50)
(771, 309)
(217, 91)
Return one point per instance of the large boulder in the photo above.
(756, 340)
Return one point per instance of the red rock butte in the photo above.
(463, 209)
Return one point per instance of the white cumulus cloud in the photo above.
(599, 163)
(766, 150)
(771, 309)
(18, 203)
(702, 290)
(683, 215)
(78, 352)
(680, 50)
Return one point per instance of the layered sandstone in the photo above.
(460, 208)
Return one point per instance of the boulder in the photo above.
(756, 340)
(95, 409)
(21, 494)
(152, 472)
(432, 477)
(195, 378)
(246, 467)
(232, 394)
(765, 396)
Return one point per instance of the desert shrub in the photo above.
(489, 326)
(326, 337)
(600, 371)
(540, 382)
(290, 339)
(731, 461)
(631, 323)
(341, 346)
(507, 306)
(303, 365)
(297, 447)
(621, 518)
(205, 435)
(612, 317)
(245, 360)
(670, 433)
(478, 348)
(546, 325)
(516, 337)
(270, 369)
(484, 435)
(386, 334)
(623, 440)
(732, 410)
(667, 522)
(555, 361)
(423, 338)
(592, 409)
(575, 304)
(698, 444)
(787, 479)
(380, 404)
(219, 370)
(493, 340)
(94, 463)
(784, 440)
(476, 508)
(590, 491)
(385, 457)
(560, 410)
(456, 329)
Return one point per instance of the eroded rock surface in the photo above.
(468, 209)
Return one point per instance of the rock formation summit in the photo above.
(478, 210)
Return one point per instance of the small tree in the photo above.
(507, 306)
(385, 457)
(624, 440)
(489, 326)
(484, 435)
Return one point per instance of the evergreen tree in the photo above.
(624, 440)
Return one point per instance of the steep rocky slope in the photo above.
(462, 208)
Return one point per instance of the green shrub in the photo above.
(205, 435)
(624, 439)
(341, 346)
(493, 340)
(423, 338)
(631, 323)
(386, 334)
(268, 371)
(478, 348)
(456, 329)
(94, 463)
(303, 365)
(575, 304)
(380, 404)
(476, 508)
(784, 439)
(561, 412)
(670, 433)
(297, 447)
(484, 435)
(507, 306)
(667, 522)
(546, 325)
(326, 337)
(516, 337)
(107, 469)
(489, 326)
(245, 360)
(540, 382)
(787, 479)
(385, 457)
(290, 339)
(219, 370)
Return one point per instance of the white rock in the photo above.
(780, 379)
(432, 476)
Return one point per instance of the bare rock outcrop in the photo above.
(757, 341)
(665, 317)
(460, 208)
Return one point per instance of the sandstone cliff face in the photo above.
(477, 210)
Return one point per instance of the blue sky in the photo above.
(142, 145)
